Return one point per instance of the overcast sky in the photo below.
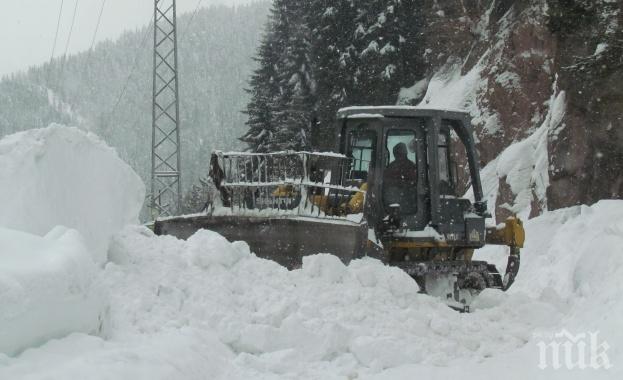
(27, 27)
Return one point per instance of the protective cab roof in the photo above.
(400, 111)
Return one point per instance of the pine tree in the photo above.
(281, 88)
(263, 91)
(326, 54)
(333, 51)
(295, 101)
(388, 43)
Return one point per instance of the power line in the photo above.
(97, 26)
(71, 28)
(127, 81)
(192, 17)
(58, 25)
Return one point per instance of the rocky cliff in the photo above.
(543, 82)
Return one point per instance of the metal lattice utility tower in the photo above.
(165, 157)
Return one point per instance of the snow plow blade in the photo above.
(284, 240)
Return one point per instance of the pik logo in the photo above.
(579, 351)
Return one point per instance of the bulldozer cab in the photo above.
(409, 159)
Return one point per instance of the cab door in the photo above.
(404, 174)
(360, 139)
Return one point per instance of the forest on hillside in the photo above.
(320, 55)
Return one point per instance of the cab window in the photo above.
(400, 174)
(445, 171)
(400, 136)
(362, 146)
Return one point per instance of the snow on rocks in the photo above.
(524, 165)
(47, 288)
(63, 176)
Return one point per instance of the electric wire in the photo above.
(71, 29)
(192, 17)
(134, 65)
(63, 60)
(97, 26)
(58, 25)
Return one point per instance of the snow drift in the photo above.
(47, 288)
(63, 176)
(207, 308)
(49, 178)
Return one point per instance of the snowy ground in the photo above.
(209, 309)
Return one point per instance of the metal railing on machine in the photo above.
(287, 183)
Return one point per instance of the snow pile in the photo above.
(273, 320)
(572, 260)
(50, 178)
(576, 252)
(63, 176)
(207, 308)
(46, 288)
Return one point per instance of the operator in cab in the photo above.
(400, 180)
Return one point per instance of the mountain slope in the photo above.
(550, 68)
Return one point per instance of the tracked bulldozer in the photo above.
(392, 189)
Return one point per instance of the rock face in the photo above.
(508, 62)
(587, 156)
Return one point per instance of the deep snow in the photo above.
(47, 288)
(209, 309)
(49, 178)
(63, 176)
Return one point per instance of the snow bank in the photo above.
(63, 176)
(206, 308)
(574, 253)
(47, 288)
(52, 177)
(572, 260)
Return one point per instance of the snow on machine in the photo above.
(391, 193)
